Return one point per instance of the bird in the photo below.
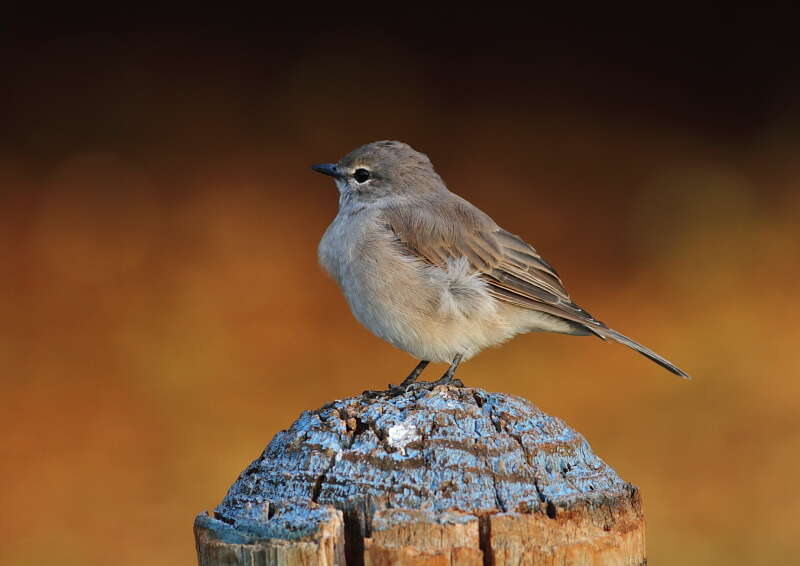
(432, 274)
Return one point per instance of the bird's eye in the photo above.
(361, 175)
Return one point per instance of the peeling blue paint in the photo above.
(476, 452)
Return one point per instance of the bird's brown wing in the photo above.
(515, 272)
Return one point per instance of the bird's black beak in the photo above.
(326, 169)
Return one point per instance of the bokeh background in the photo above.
(162, 313)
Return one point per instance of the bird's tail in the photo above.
(604, 332)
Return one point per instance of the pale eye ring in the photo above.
(361, 175)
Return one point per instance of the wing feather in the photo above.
(515, 272)
(449, 227)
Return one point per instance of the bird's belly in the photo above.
(431, 313)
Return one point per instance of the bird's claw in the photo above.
(397, 390)
(429, 385)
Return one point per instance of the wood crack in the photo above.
(454, 473)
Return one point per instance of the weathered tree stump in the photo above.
(450, 476)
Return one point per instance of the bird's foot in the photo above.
(378, 393)
(392, 391)
(429, 385)
(446, 379)
(402, 389)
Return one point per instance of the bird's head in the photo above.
(382, 169)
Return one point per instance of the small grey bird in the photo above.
(432, 274)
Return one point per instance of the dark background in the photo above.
(162, 314)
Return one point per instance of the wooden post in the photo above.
(452, 476)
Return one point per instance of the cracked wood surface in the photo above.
(454, 476)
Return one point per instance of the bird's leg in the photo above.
(395, 390)
(411, 383)
(446, 379)
(412, 377)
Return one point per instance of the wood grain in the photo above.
(455, 476)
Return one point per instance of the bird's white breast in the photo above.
(430, 312)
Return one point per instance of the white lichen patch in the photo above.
(400, 435)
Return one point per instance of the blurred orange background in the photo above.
(162, 312)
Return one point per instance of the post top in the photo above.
(449, 448)
(447, 476)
